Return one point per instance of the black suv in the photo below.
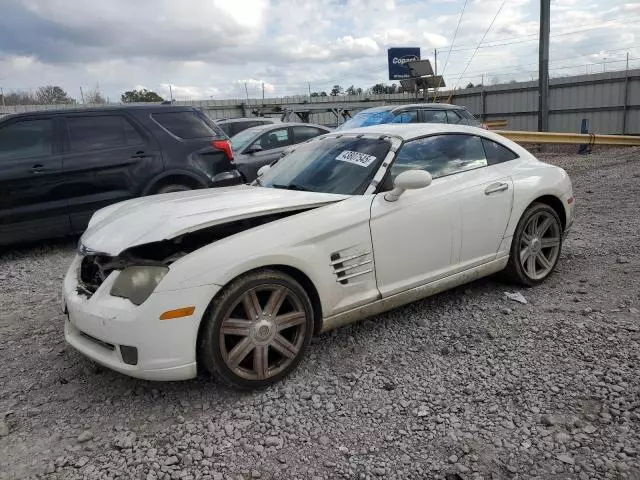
(58, 167)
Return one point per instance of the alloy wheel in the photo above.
(540, 245)
(263, 332)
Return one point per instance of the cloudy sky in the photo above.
(212, 48)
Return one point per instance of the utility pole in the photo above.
(309, 85)
(3, 104)
(543, 66)
(262, 92)
(246, 91)
(82, 95)
(170, 93)
(435, 61)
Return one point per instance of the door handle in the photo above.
(495, 188)
(38, 168)
(139, 155)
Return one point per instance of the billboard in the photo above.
(398, 57)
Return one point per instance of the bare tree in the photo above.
(19, 98)
(94, 97)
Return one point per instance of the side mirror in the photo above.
(253, 149)
(263, 169)
(409, 180)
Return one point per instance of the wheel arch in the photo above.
(297, 274)
(555, 203)
(180, 177)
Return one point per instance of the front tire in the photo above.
(536, 246)
(257, 330)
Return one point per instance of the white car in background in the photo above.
(350, 224)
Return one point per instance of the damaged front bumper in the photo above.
(132, 339)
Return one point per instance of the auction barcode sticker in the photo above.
(356, 158)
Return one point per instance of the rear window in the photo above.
(186, 125)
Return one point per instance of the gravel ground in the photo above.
(468, 384)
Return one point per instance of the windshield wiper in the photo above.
(291, 186)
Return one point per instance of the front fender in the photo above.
(304, 241)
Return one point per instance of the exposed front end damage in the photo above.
(95, 267)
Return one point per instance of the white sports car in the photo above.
(236, 280)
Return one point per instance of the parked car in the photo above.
(233, 126)
(415, 113)
(258, 146)
(352, 223)
(57, 167)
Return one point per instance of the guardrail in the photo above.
(493, 124)
(569, 138)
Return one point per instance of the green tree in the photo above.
(52, 95)
(336, 90)
(140, 96)
(470, 85)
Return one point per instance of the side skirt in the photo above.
(417, 293)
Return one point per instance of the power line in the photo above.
(534, 39)
(455, 33)
(599, 24)
(481, 40)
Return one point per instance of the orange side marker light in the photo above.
(178, 313)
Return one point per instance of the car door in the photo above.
(108, 157)
(272, 143)
(420, 237)
(32, 203)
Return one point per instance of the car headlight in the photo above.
(138, 283)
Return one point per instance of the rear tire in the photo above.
(174, 187)
(257, 330)
(536, 246)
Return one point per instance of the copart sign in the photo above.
(398, 58)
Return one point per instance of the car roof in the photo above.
(247, 119)
(410, 131)
(107, 108)
(269, 126)
(438, 106)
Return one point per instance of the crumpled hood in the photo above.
(159, 217)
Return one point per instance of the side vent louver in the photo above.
(351, 263)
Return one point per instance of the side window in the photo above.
(406, 117)
(453, 117)
(434, 116)
(185, 125)
(440, 155)
(496, 153)
(226, 128)
(302, 134)
(26, 138)
(100, 132)
(274, 139)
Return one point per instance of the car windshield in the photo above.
(367, 118)
(244, 138)
(329, 165)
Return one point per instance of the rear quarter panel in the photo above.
(533, 179)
